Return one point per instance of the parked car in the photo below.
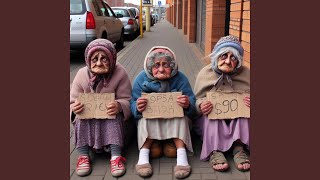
(136, 14)
(144, 19)
(91, 19)
(131, 27)
(157, 18)
(154, 18)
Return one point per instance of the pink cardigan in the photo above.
(119, 84)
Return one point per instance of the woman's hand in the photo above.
(206, 107)
(246, 100)
(77, 107)
(183, 101)
(141, 104)
(113, 108)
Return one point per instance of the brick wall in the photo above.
(113, 3)
(184, 15)
(215, 23)
(191, 21)
(174, 13)
(168, 14)
(179, 19)
(240, 25)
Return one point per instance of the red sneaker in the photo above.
(117, 166)
(83, 165)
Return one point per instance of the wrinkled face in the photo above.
(161, 69)
(100, 63)
(227, 62)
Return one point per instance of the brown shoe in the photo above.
(144, 170)
(156, 149)
(169, 149)
(182, 171)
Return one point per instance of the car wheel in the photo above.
(119, 44)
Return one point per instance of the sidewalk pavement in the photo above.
(132, 58)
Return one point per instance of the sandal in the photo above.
(218, 158)
(182, 171)
(240, 157)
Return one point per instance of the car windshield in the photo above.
(76, 7)
(133, 11)
(124, 12)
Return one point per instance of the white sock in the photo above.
(143, 156)
(182, 159)
(114, 157)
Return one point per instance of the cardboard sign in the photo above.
(162, 105)
(95, 105)
(228, 105)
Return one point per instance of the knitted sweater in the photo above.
(118, 84)
(207, 77)
(178, 83)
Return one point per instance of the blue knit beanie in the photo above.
(228, 41)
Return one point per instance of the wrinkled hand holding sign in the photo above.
(162, 105)
(228, 105)
(95, 105)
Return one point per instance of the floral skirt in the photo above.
(98, 133)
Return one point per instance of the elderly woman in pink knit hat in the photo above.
(101, 75)
(161, 75)
(225, 73)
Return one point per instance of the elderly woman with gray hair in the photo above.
(225, 73)
(161, 75)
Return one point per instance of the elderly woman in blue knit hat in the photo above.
(225, 73)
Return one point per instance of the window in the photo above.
(121, 11)
(110, 12)
(97, 8)
(77, 7)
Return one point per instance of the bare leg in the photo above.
(179, 143)
(147, 144)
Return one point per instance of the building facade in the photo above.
(203, 22)
(114, 3)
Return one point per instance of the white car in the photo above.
(92, 19)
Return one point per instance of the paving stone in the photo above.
(130, 177)
(165, 176)
(202, 170)
(167, 164)
(99, 166)
(247, 174)
(71, 172)
(224, 175)
(208, 176)
(90, 177)
(166, 170)
(193, 176)
(108, 176)
(72, 147)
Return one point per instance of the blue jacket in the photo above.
(178, 83)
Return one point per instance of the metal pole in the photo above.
(148, 20)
